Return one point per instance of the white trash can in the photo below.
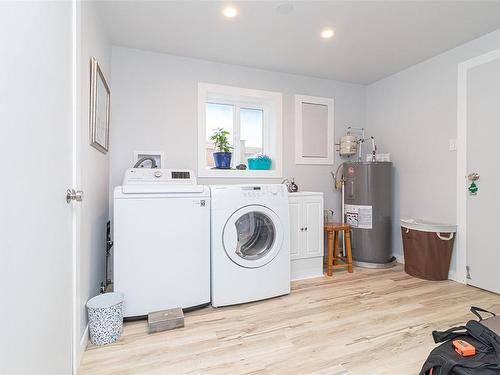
(105, 318)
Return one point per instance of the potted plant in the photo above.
(222, 153)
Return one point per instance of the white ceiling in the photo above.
(373, 39)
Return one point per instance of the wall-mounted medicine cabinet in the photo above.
(314, 125)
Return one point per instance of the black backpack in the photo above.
(444, 360)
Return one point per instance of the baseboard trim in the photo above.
(399, 258)
(452, 275)
(306, 268)
(84, 340)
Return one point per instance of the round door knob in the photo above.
(74, 195)
(158, 174)
(473, 176)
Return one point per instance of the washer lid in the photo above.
(147, 180)
(252, 236)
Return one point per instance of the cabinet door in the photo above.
(295, 225)
(313, 211)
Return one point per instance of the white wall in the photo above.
(413, 114)
(94, 165)
(154, 107)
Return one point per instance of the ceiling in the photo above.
(372, 39)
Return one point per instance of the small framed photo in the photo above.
(99, 108)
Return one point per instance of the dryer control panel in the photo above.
(159, 176)
(143, 180)
(258, 191)
(231, 196)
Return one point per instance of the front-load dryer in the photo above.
(250, 243)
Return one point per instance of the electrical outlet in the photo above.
(453, 144)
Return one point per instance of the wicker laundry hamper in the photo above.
(427, 248)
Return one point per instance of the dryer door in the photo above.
(253, 236)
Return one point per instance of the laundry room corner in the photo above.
(414, 113)
(94, 170)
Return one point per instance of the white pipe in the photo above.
(343, 219)
(351, 130)
(374, 150)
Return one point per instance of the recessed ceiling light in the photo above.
(230, 12)
(327, 33)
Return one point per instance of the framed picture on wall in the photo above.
(99, 108)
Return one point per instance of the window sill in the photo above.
(237, 173)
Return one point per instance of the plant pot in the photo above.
(222, 160)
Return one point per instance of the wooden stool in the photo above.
(333, 258)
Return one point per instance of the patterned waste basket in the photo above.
(105, 318)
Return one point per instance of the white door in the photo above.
(483, 137)
(36, 149)
(313, 227)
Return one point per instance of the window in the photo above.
(217, 116)
(252, 119)
(245, 127)
(251, 135)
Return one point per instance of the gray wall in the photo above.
(413, 115)
(154, 107)
(94, 167)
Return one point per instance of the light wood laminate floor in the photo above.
(369, 322)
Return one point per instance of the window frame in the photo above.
(268, 101)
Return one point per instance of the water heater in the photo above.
(368, 207)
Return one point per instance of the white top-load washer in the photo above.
(250, 243)
(161, 241)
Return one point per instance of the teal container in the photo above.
(259, 163)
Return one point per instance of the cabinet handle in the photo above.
(305, 228)
(301, 229)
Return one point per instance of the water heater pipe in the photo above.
(360, 140)
(343, 218)
(360, 147)
(374, 150)
(338, 182)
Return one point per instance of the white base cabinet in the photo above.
(306, 232)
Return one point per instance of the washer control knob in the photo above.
(275, 189)
(158, 174)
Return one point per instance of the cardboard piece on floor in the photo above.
(165, 320)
